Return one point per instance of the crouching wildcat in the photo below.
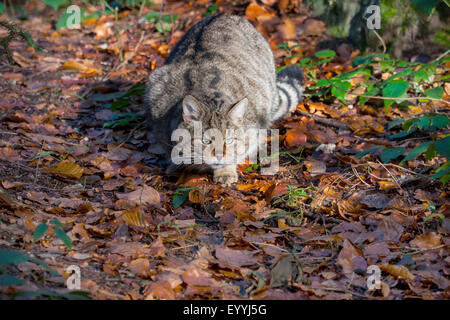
(219, 78)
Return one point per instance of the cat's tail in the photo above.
(289, 85)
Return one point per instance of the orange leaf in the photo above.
(66, 169)
(195, 196)
(294, 138)
(73, 65)
(397, 271)
(254, 12)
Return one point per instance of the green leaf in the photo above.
(40, 231)
(325, 54)
(395, 89)
(9, 280)
(55, 4)
(440, 121)
(57, 223)
(152, 16)
(391, 153)
(169, 18)
(443, 147)
(443, 173)
(431, 152)
(371, 91)
(431, 216)
(12, 257)
(339, 90)
(417, 150)
(2, 7)
(401, 134)
(64, 237)
(394, 123)
(181, 195)
(425, 6)
(322, 83)
(371, 150)
(368, 59)
(436, 93)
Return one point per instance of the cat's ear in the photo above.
(236, 113)
(192, 109)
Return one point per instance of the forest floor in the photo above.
(308, 232)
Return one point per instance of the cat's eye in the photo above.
(229, 141)
(206, 141)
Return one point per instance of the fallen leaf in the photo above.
(237, 258)
(426, 241)
(142, 196)
(66, 169)
(397, 271)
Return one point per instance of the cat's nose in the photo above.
(219, 156)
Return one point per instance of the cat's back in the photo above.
(224, 34)
(220, 60)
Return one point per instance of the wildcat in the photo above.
(220, 75)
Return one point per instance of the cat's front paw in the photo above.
(226, 179)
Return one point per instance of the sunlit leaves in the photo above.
(436, 93)
(395, 89)
(339, 89)
(325, 54)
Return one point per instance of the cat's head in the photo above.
(216, 136)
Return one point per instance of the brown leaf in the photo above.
(160, 291)
(134, 217)
(141, 267)
(426, 241)
(157, 248)
(315, 167)
(237, 258)
(351, 258)
(397, 271)
(197, 277)
(142, 196)
(9, 184)
(66, 169)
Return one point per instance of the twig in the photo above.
(381, 40)
(124, 62)
(328, 122)
(407, 98)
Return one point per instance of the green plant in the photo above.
(57, 227)
(211, 10)
(428, 123)
(405, 76)
(294, 196)
(181, 195)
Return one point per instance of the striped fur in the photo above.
(220, 61)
